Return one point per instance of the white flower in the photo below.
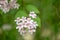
(22, 32)
(26, 25)
(28, 19)
(31, 31)
(5, 6)
(32, 14)
(16, 6)
(23, 18)
(3, 2)
(13, 4)
(5, 9)
(17, 20)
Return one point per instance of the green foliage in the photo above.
(32, 8)
(1, 20)
(21, 13)
(49, 18)
(38, 20)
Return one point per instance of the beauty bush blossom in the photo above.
(26, 24)
(32, 14)
(5, 6)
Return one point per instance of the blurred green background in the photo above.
(50, 21)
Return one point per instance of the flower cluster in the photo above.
(5, 6)
(26, 24)
(32, 14)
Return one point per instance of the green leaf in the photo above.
(32, 8)
(1, 20)
(1, 12)
(21, 13)
(37, 19)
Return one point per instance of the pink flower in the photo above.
(31, 31)
(5, 6)
(26, 25)
(13, 4)
(32, 14)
